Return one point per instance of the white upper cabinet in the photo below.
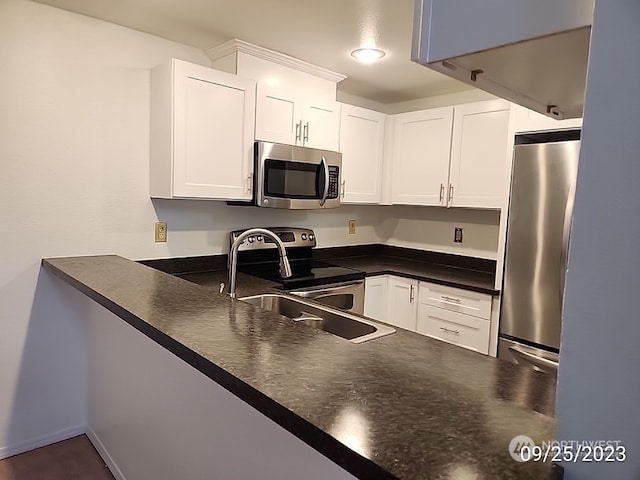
(420, 156)
(451, 156)
(283, 117)
(202, 133)
(320, 124)
(479, 154)
(296, 101)
(277, 121)
(362, 145)
(530, 52)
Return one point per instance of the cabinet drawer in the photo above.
(456, 300)
(452, 327)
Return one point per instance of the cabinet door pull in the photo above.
(441, 192)
(342, 188)
(298, 127)
(411, 294)
(305, 135)
(450, 192)
(250, 183)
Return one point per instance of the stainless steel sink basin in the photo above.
(353, 328)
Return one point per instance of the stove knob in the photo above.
(311, 237)
(259, 238)
(303, 236)
(252, 239)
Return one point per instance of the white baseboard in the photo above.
(99, 446)
(22, 447)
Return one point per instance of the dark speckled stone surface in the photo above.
(402, 406)
(482, 282)
(453, 270)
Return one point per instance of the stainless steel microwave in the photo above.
(296, 177)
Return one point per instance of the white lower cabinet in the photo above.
(452, 327)
(392, 299)
(453, 315)
(402, 302)
(375, 297)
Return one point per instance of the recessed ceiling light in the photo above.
(368, 55)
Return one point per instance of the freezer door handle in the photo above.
(539, 363)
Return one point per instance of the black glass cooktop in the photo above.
(306, 273)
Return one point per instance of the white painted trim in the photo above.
(106, 457)
(235, 45)
(43, 441)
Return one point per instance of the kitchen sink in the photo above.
(350, 327)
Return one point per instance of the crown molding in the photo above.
(235, 45)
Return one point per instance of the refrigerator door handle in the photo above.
(544, 364)
(566, 233)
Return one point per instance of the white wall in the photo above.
(74, 96)
(465, 96)
(74, 124)
(598, 389)
(432, 228)
(199, 227)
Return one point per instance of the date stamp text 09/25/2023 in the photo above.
(523, 449)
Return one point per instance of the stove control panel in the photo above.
(291, 237)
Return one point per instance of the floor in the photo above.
(73, 459)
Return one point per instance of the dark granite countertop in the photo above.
(401, 406)
(443, 274)
(453, 270)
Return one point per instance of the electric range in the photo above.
(324, 282)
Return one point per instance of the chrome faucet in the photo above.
(285, 266)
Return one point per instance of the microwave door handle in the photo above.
(325, 192)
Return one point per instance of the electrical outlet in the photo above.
(352, 227)
(161, 232)
(457, 235)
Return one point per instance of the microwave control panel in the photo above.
(334, 178)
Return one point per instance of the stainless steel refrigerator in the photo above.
(538, 227)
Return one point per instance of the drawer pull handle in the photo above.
(451, 299)
(447, 330)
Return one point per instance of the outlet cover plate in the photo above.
(161, 232)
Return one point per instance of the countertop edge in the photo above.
(304, 430)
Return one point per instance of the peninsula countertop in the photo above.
(425, 409)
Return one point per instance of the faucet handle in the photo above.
(221, 287)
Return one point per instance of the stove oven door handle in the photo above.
(325, 193)
(324, 291)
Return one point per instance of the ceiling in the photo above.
(322, 32)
